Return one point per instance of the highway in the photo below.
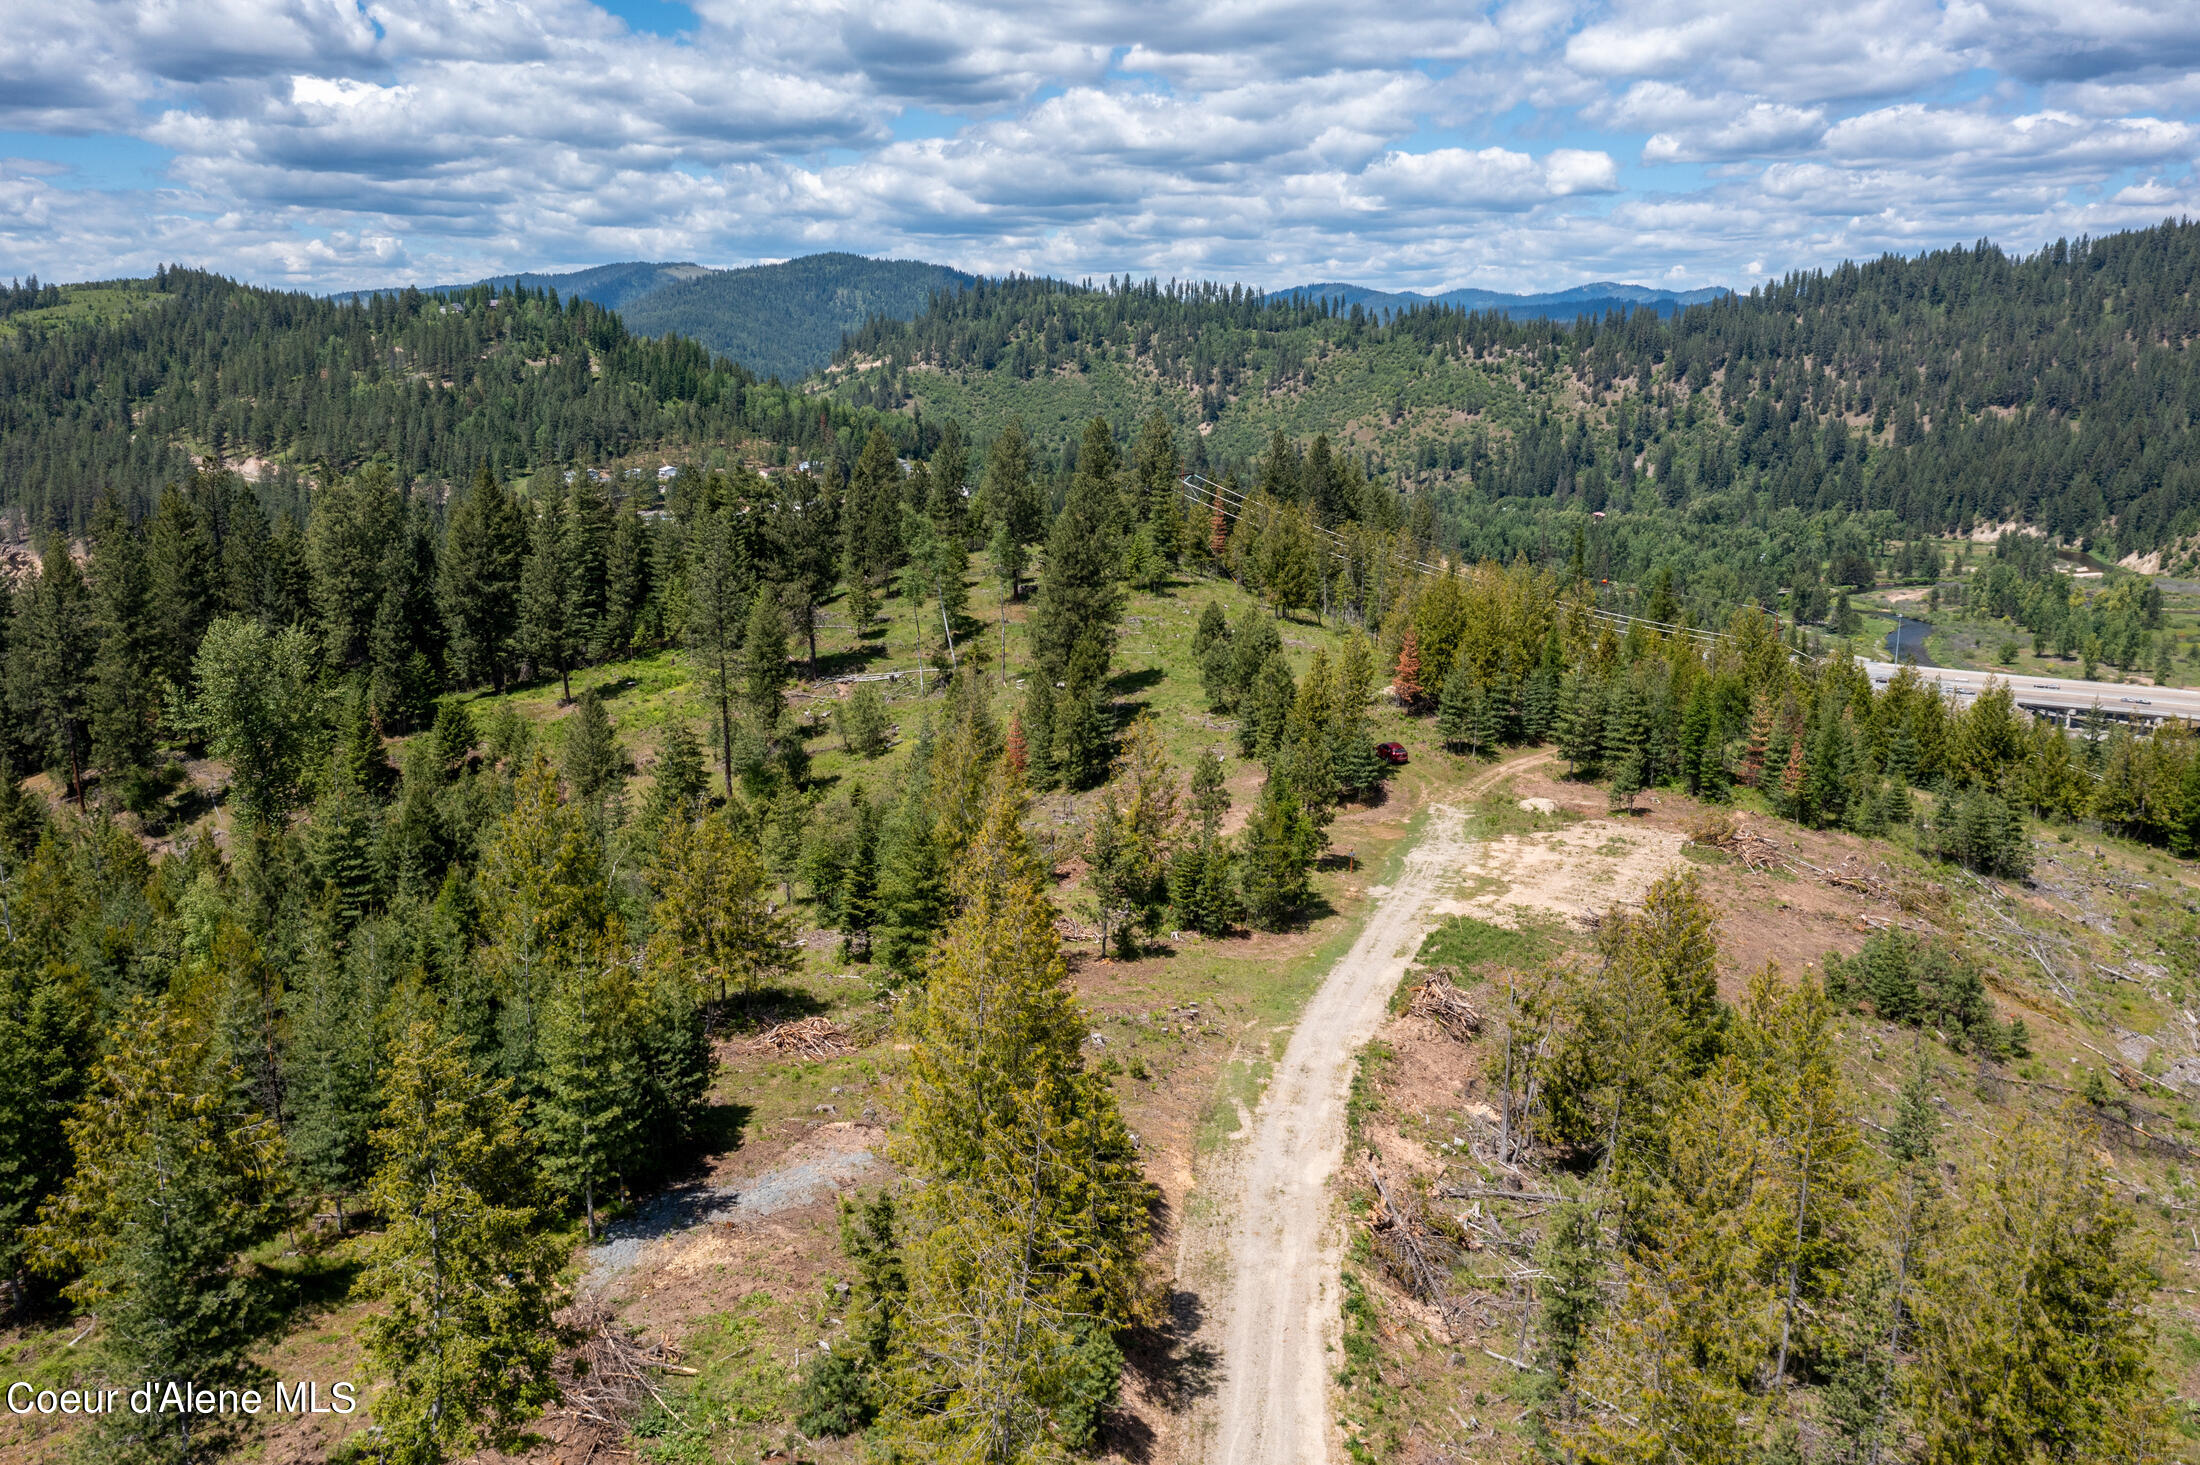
(2060, 699)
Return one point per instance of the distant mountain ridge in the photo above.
(1591, 299)
(779, 320)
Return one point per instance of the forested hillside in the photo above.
(786, 320)
(1961, 386)
(119, 400)
(780, 320)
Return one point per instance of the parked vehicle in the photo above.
(1391, 752)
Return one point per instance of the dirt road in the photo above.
(1278, 1303)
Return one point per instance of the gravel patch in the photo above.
(690, 1206)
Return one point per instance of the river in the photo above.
(1907, 640)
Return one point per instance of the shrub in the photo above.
(1919, 983)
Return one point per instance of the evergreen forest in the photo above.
(470, 773)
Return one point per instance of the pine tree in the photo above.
(466, 1281)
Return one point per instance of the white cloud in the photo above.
(1417, 143)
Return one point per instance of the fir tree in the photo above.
(480, 579)
(47, 1043)
(863, 722)
(336, 1056)
(594, 761)
(180, 559)
(50, 650)
(1267, 709)
(1078, 601)
(1023, 1242)
(1405, 679)
(551, 632)
(720, 578)
(1011, 505)
(786, 836)
(678, 783)
(715, 923)
(589, 1120)
(465, 1279)
(1280, 846)
(172, 1178)
(123, 700)
(2030, 1334)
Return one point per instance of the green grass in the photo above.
(1466, 943)
(100, 304)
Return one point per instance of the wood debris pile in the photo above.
(1416, 1253)
(1439, 999)
(608, 1379)
(810, 1037)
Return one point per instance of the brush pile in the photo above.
(1439, 999)
(810, 1037)
(609, 1378)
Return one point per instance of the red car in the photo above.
(1391, 752)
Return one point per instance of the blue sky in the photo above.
(1539, 144)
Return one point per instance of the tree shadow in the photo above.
(754, 1011)
(848, 661)
(612, 691)
(722, 1128)
(1126, 684)
(1173, 1368)
(308, 1285)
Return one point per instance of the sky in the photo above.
(329, 144)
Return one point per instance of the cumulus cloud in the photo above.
(1418, 143)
